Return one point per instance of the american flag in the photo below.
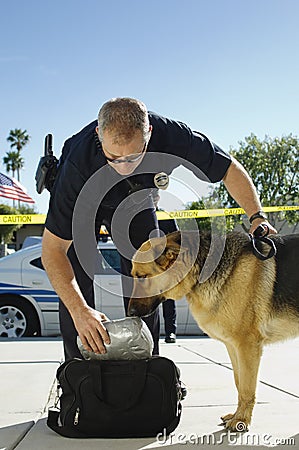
(10, 188)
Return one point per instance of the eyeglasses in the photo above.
(128, 159)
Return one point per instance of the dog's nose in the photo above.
(132, 311)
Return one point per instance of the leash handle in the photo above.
(260, 235)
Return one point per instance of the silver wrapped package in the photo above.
(130, 339)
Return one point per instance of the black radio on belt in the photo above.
(47, 167)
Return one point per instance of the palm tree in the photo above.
(18, 138)
(13, 161)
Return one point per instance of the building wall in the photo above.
(27, 230)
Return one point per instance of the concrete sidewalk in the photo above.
(28, 368)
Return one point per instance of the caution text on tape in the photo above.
(23, 219)
(201, 213)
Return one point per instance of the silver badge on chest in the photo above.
(161, 180)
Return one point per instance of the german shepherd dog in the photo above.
(245, 302)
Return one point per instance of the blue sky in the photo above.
(225, 67)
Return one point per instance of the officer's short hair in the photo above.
(123, 117)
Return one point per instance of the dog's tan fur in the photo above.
(235, 305)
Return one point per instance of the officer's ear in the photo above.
(150, 129)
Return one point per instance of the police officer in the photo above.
(106, 175)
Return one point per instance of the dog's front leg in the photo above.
(234, 360)
(246, 357)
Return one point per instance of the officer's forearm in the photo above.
(241, 188)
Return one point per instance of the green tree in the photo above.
(6, 231)
(18, 138)
(204, 223)
(13, 161)
(25, 209)
(273, 164)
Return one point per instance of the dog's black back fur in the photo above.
(286, 288)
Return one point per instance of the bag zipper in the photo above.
(76, 418)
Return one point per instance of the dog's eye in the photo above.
(141, 277)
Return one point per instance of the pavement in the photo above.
(27, 374)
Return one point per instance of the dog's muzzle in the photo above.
(143, 307)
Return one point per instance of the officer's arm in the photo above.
(240, 186)
(87, 321)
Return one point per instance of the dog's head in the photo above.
(159, 269)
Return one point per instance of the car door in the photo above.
(107, 284)
(36, 283)
(33, 274)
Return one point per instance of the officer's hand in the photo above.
(91, 330)
(269, 229)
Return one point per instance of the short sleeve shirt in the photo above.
(82, 156)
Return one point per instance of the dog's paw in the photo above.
(227, 417)
(235, 424)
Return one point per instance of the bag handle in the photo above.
(139, 372)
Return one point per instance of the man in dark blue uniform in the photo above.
(102, 171)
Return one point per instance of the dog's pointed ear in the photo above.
(171, 251)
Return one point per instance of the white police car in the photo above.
(29, 305)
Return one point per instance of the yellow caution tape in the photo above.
(23, 219)
(200, 213)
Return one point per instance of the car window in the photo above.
(110, 260)
(37, 262)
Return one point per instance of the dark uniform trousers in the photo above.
(169, 316)
(141, 225)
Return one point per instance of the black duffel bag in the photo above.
(117, 399)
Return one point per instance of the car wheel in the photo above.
(18, 318)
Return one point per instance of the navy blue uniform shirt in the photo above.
(82, 157)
